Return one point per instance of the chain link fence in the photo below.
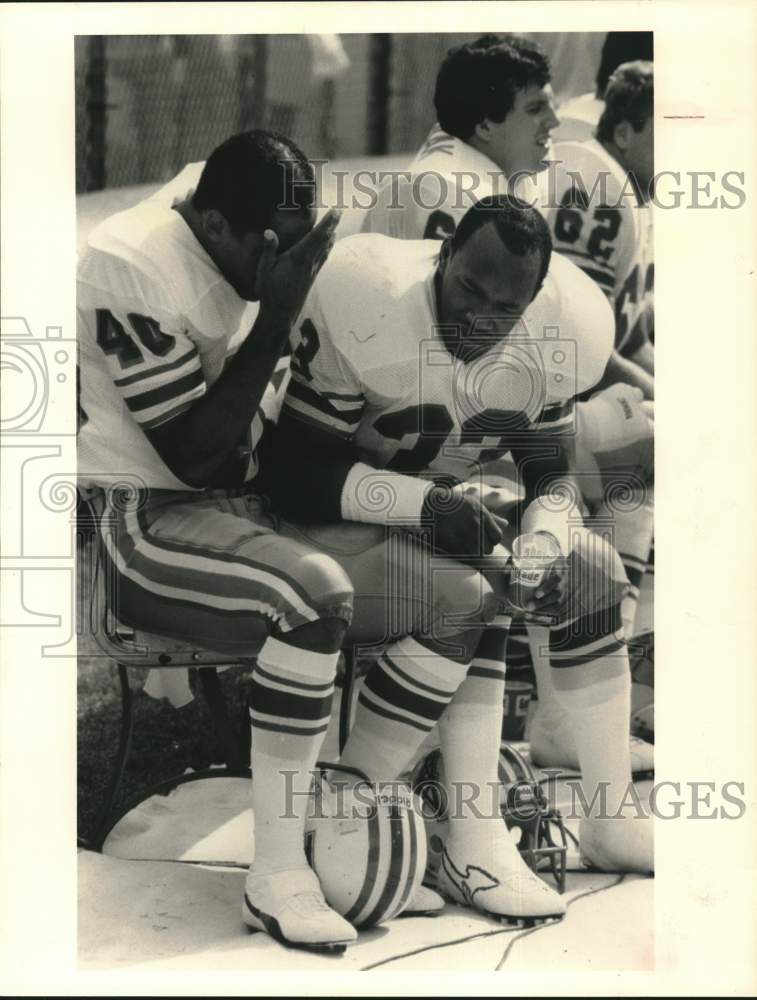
(147, 105)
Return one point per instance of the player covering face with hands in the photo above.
(413, 368)
(185, 303)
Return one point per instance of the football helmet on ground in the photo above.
(536, 828)
(367, 845)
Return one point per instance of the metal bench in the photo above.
(128, 649)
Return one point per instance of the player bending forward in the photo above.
(184, 305)
(413, 362)
(494, 103)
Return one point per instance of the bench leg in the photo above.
(211, 687)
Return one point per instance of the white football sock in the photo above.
(550, 705)
(291, 697)
(470, 732)
(599, 715)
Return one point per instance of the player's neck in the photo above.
(483, 148)
(192, 218)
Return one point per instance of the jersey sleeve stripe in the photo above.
(343, 397)
(339, 400)
(337, 397)
(310, 415)
(345, 412)
(159, 370)
(556, 418)
(165, 393)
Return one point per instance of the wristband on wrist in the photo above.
(379, 496)
(613, 418)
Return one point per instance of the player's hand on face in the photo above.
(462, 524)
(284, 279)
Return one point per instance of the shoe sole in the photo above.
(505, 918)
(524, 922)
(256, 920)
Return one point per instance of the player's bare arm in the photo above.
(620, 369)
(310, 486)
(204, 446)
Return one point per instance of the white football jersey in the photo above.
(156, 322)
(598, 223)
(427, 201)
(369, 365)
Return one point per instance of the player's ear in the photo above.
(215, 225)
(445, 253)
(622, 135)
(482, 131)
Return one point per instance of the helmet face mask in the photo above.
(536, 828)
(540, 849)
(543, 842)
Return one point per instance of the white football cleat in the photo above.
(512, 893)
(622, 844)
(289, 905)
(551, 744)
(423, 903)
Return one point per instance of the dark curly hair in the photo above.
(480, 79)
(251, 175)
(520, 227)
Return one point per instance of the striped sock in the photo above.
(290, 703)
(405, 692)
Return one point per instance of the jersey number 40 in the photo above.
(113, 338)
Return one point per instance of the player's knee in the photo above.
(609, 562)
(465, 597)
(327, 586)
(604, 577)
